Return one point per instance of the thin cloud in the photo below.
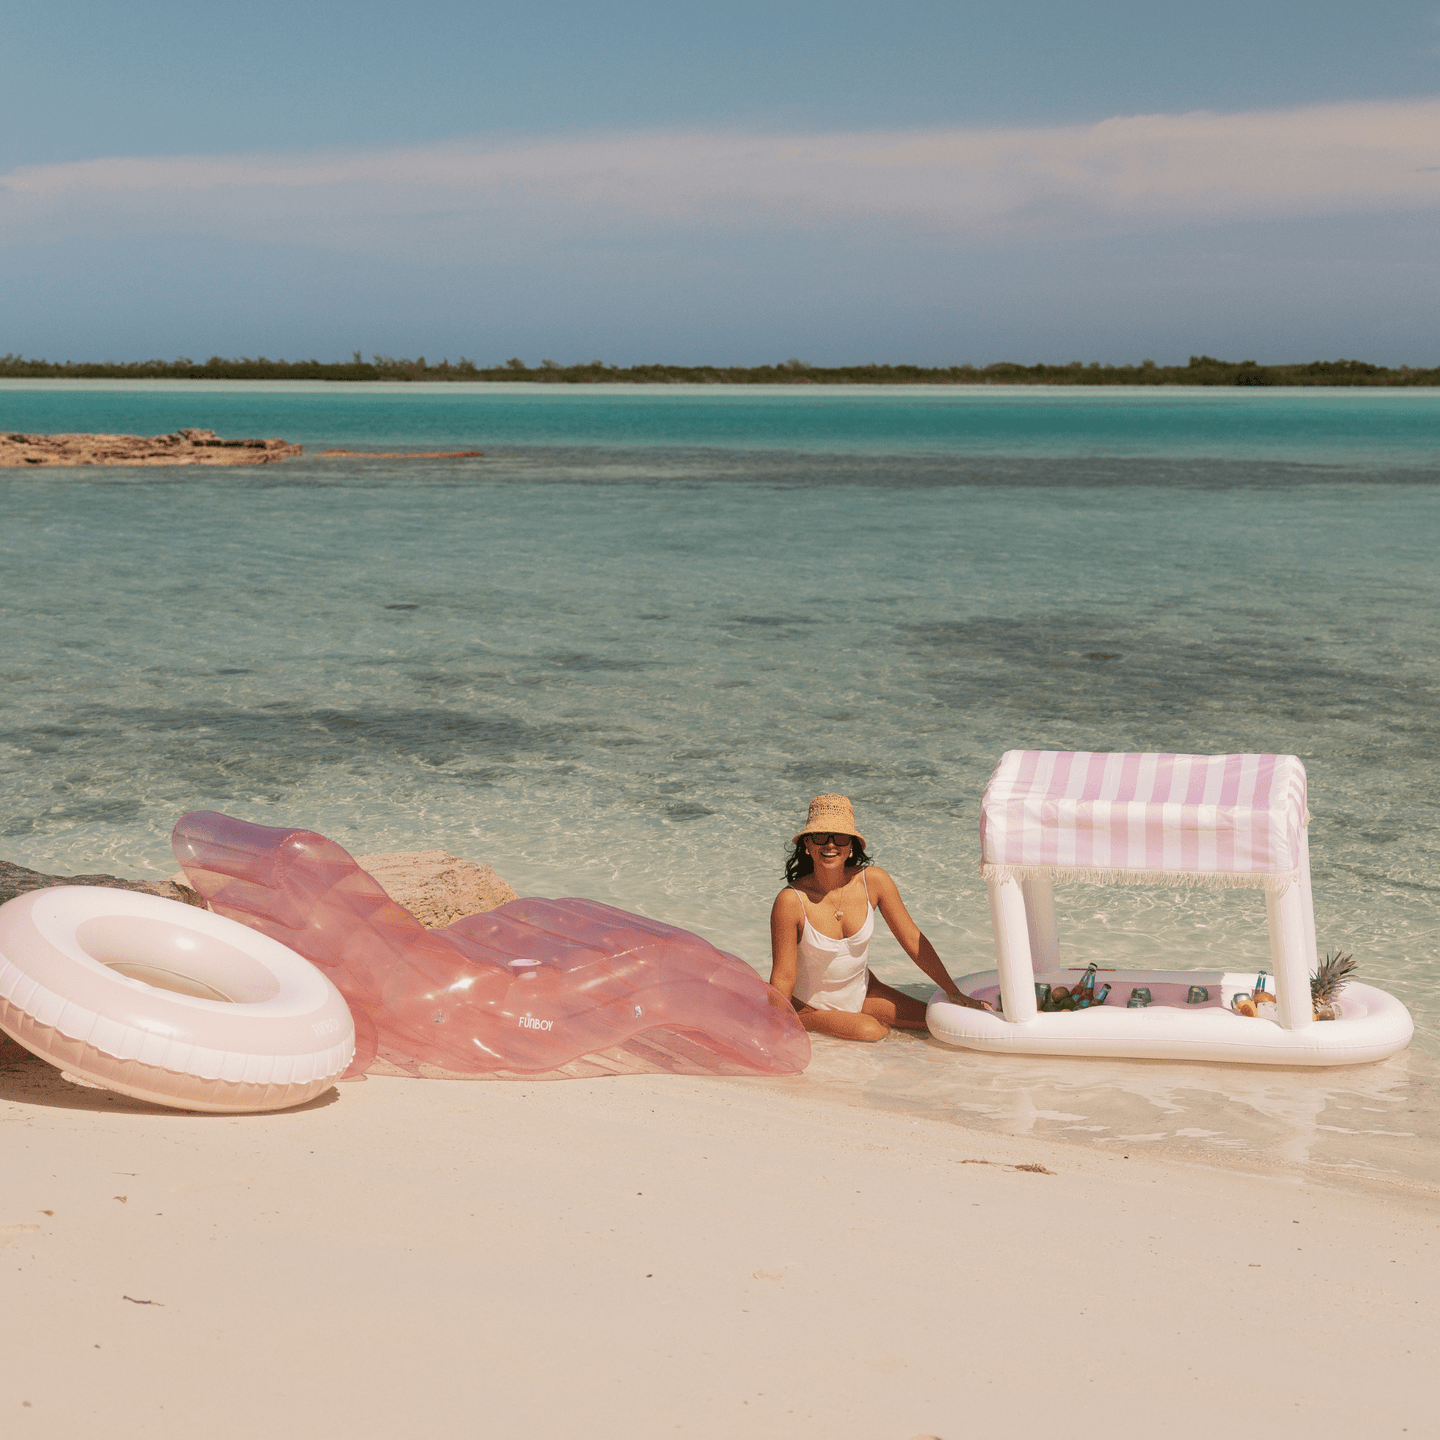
(1124, 174)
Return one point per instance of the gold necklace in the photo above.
(840, 914)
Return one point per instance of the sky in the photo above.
(840, 183)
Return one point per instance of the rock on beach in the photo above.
(17, 880)
(184, 447)
(435, 887)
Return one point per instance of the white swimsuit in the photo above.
(834, 974)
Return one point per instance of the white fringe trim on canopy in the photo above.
(1275, 883)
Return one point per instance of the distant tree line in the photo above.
(1202, 370)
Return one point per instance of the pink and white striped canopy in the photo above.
(1216, 819)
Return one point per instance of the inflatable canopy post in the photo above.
(1286, 914)
(1012, 949)
(1039, 894)
(1307, 902)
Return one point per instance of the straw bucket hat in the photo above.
(829, 813)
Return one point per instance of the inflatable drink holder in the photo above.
(533, 989)
(1234, 821)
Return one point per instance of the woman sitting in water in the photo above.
(820, 928)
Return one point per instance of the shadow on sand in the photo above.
(25, 1079)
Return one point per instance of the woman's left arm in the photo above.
(912, 941)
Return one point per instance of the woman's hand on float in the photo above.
(961, 998)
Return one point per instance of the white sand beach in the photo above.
(670, 1256)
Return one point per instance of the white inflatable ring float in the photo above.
(168, 1002)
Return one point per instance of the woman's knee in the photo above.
(845, 1025)
(867, 1027)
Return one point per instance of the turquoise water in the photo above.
(1368, 431)
(616, 657)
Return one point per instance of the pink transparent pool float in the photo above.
(536, 988)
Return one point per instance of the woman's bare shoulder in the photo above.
(786, 902)
(879, 880)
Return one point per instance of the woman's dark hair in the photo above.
(798, 863)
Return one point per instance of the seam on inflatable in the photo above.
(127, 1044)
(103, 1034)
(152, 1049)
(176, 1057)
(75, 1022)
(206, 1063)
(12, 985)
(47, 1006)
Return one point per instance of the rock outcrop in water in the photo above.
(184, 447)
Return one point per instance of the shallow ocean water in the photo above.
(616, 657)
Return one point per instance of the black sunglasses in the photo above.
(831, 839)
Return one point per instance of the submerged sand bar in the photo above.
(184, 447)
(401, 454)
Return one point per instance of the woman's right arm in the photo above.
(784, 941)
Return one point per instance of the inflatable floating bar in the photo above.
(1371, 1024)
(1237, 821)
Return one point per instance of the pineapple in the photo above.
(1327, 982)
